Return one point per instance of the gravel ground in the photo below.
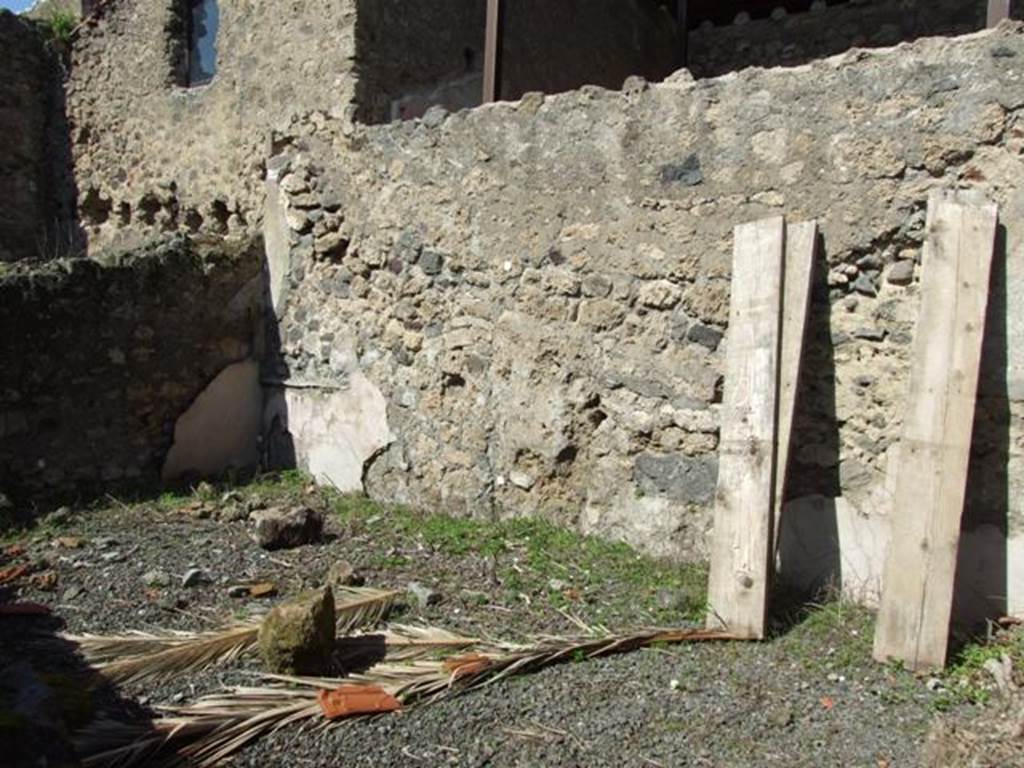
(810, 697)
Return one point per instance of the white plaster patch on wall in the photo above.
(830, 543)
(333, 432)
(275, 241)
(221, 428)
(1015, 575)
(659, 526)
(1015, 322)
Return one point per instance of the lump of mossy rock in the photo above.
(285, 527)
(297, 637)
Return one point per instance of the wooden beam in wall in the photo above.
(683, 27)
(492, 51)
(741, 544)
(934, 450)
(997, 11)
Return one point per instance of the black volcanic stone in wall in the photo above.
(680, 478)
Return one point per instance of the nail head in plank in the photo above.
(738, 585)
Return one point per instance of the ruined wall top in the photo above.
(150, 151)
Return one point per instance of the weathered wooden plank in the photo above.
(931, 474)
(997, 11)
(801, 245)
(492, 52)
(738, 586)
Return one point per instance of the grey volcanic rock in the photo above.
(282, 528)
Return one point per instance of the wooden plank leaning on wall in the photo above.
(738, 584)
(934, 450)
(801, 247)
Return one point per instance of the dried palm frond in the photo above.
(479, 670)
(213, 728)
(396, 643)
(405, 681)
(183, 657)
(204, 734)
(115, 744)
(405, 642)
(136, 656)
(262, 711)
(359, 607)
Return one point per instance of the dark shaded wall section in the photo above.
(418, 50)
(411, 56)
(28, 100)
(788, 38)
(555, 47)
(100, 359)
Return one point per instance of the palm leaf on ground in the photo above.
(213, 728)
(136, 656)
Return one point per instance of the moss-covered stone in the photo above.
(297, 637)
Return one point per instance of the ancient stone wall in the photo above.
(152, 154)
(26, 92)
(795, 38)
(539, 292)
(101, 359)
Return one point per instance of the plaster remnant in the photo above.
(220, 430)
(275, 241)
(333, 433)
(832, 544)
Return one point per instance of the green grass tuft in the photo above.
(966, 679)
(531, 552)
(61, 25)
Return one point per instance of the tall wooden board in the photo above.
(801, 245)
(738, 586)
(931, 474)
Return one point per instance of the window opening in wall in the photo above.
(203, 24)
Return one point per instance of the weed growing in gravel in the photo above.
(538, 557)
(966, 679)
(841, 627)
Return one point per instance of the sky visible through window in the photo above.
(203, 41)
(16, 5)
